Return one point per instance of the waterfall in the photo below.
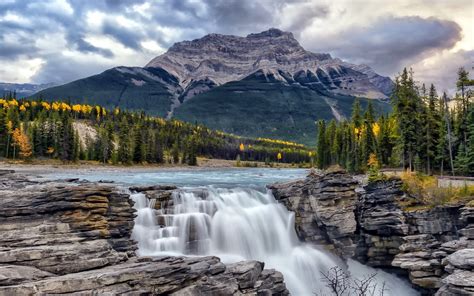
(239, 224)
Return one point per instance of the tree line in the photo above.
(424, 132)
(59, 130)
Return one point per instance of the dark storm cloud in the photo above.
(125, 36)
(393, 42)
(61, 68)
(85, 46)
(11, 51)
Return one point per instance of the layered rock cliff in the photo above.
(434, 247)
(223, 58)
(64, 237)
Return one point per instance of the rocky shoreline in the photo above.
(65, 237)
(434, 247)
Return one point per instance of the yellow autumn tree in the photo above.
(242, 147)
(376, 129)
(374, 168)
(21, 141)
(279, 156)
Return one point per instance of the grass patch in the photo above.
(425, 194)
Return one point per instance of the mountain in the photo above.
(261, 85)
(22, 89)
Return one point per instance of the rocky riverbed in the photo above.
(433, 247)
(69, 236)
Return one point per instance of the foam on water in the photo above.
(241, 224)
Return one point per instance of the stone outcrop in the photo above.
(324, 207)
(434, 235)
(158, 276)
(434, 247)
(74, 237)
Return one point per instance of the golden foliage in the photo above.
(373, 161)
(242, 147)
(376, 129)
(21, 140)
(46, 105)
(77, 108)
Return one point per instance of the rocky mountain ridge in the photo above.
(219, 59)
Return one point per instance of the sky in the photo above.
(58, 41)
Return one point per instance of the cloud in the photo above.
(390, 43)
(62, 40)
(441, 68)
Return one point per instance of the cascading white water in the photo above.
(235, 225)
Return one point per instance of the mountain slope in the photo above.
(264, 84)
(267, 108)
(131, 88)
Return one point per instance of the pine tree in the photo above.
(447, 120)
(124, 153)
(368, 138)
(356, 151)
(322, 147)
(331, 142)
(189, 153)
(139, 150)
(385, 140)
(175, 153)
(430, 122)
(66, 138)
(407, 105)
(352, 153)
(159, 158)
(77, 147)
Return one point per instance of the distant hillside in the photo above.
(262, 85)
(22, 90)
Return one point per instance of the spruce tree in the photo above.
(139, 150)
(368, 138)
(322, 147)
(407, 105)
(158, 157)
(431, 130)
(77, 148)
(125, 143)
(66, 138)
